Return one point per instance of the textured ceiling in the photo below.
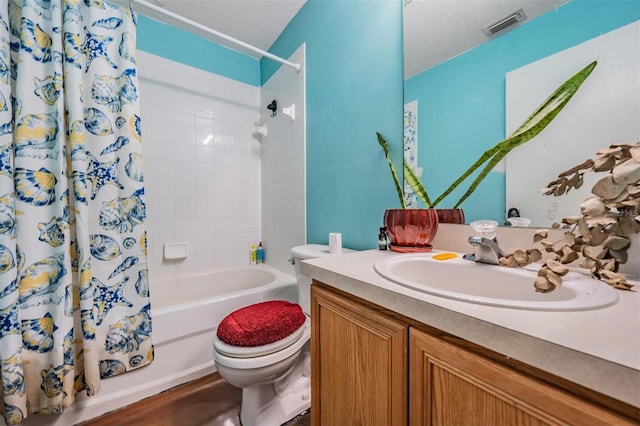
(437, 30)
(434, 30)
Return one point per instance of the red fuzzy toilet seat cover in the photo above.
(261, 323)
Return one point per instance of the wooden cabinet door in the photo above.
(452, 386)
(359, 364)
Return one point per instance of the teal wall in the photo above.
(354, 81)
(461, 103)
(180, 46)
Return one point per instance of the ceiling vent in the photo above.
(504, 23)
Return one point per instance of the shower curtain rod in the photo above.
(215, 33)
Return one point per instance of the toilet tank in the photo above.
(303, 252)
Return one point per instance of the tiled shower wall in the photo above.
(283, 164)
(202, 166)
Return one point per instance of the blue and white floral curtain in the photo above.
(74, 302)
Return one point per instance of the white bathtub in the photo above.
(185, 313)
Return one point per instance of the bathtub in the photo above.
(185, 313)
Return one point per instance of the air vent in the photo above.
(505, 23)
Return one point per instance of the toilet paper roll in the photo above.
(335, 243)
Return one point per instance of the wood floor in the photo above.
(209, 401)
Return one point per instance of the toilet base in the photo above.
(278, 402)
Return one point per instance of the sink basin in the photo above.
(494, 285)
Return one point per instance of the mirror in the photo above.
(606, 110)
(455, 88)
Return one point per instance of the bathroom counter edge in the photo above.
(597, 349)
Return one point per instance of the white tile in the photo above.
(186, 209)
(186, 267)
(224, 127)
(161, 95)
(205, 105)
(190, 240)
(163, 113)
(183, 117)
(223, 141)
(186, 192)
(205, 225)
(163, 230)
(223, 225)
(162, 170)
(222, 259)
(205, 207)
(204, 173)
(185, 173)
(185, 154)
(205, 242)
(205, 137)
(184, 101)
(184, 135)
(225, 208)
(223, 158)
(204, 120)
(205, 190)
(160, 270)
(165, 208)
(162, 130)
(250, 224)
(163, 189)
(163, 150)
(205, 155)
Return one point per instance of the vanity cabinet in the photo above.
(359, 363)
(450, 385)
(371, 367)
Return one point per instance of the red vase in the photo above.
(411, 229)
(450, 216)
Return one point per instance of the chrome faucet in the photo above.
(485, 250)
(485, 245)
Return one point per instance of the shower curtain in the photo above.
(74, 300)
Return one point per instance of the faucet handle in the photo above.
(476, 240)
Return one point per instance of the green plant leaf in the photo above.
(394, 173)
(531, 127)
(480, 161)
(414, 182)
(485, 171)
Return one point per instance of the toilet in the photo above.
(265, 350)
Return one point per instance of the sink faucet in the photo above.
(485, 250)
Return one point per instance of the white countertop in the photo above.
(598, 349)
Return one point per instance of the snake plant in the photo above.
(531, 127)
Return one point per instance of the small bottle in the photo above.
(260, 253)
(382, 239)
(253, 255)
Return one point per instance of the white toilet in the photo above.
(276, 377)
